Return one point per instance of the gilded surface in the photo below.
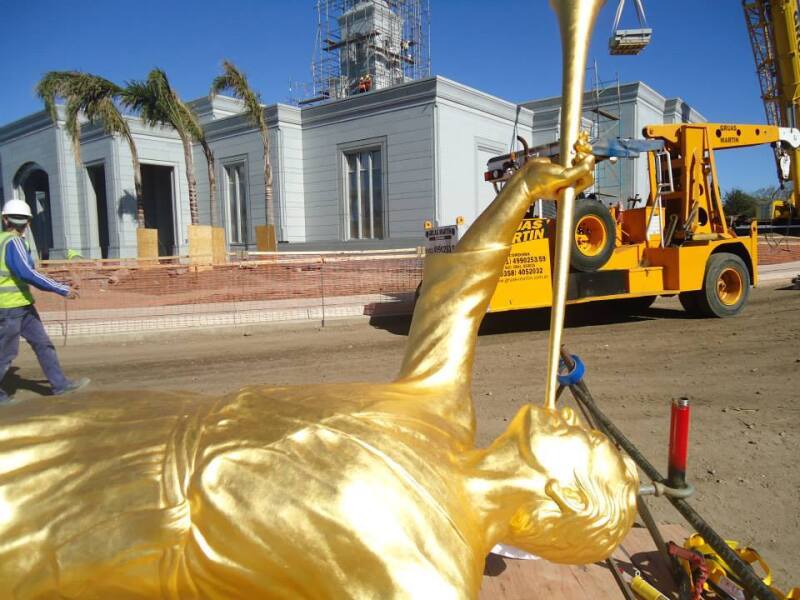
(576, 20)
(363, 490)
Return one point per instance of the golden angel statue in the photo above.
(353, 490)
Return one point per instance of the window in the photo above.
(236, 204)
(364, 193)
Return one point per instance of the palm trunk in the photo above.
(137, 181)
(190, 178)
(270, 208)
(212, 180)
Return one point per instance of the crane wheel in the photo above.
(594, 235)
(726, 287)
(689, 303)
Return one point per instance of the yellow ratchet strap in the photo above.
(719, 569)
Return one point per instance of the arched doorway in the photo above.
(33, 184)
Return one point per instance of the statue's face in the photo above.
(583, 499)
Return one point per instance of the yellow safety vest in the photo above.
(13, 291)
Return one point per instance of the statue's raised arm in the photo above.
(457, 287)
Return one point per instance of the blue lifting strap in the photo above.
(575, 375)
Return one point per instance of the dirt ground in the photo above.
(742, 376)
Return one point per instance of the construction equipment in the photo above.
(705, 551)
(773, 29)
(629, 41)
(678, 243)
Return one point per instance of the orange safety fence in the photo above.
(774, 249)
(129, 295)
(132, 295)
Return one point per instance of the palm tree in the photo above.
(95, 98)
(158, 104)
(234, 81)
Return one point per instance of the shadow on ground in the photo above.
(13, 383)
(580, 315)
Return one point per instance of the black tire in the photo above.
(726, 286)
(690, 302)
(595, 226)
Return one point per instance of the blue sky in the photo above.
(700, 52)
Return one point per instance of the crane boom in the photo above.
(773, 29)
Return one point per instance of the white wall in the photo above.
(97, 151)
(49, 148)
(235, 140)
(243, 147)
(157, 146)
(406, 133)
(288, 172)
(467, 140)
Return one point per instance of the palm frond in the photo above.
(158, 104)
(107, 114)
(235, 81)
(83, 93)
(138, 97)
(73, 125)
(50, 87)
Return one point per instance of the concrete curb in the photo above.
(778, 272)
(223, 314)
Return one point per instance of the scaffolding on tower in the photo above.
(365, 45)
(603, 106)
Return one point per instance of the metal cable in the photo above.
(743, 571)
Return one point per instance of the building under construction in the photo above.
(363, 45)
(377, 148)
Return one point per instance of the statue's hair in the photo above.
(565, 533)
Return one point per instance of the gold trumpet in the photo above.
(576, 20)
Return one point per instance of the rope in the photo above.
(65, 328)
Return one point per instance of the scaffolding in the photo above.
(364, 45)
(604, 109)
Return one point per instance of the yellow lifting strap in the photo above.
(722, 575)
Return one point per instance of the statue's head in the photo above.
(580, 500)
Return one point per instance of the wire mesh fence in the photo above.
(775, 249)
(131, 296)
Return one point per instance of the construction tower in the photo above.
(364, 45)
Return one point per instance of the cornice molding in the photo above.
(37, 121)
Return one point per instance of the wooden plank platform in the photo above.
(509, 579)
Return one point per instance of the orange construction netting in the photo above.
(139, 295)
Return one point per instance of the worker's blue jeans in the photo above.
(24, 321)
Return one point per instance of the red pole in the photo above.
(678, 442)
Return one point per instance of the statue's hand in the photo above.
(538, 178)
(546, 180)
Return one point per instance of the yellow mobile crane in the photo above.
(678, 243)
(773, 29)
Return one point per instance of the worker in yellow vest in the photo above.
(18, 316)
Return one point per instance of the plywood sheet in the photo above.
(200, 244)
(219, 248)
(265, 238)
(509, 579)
(147, 242)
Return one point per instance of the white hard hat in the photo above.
(17, 208)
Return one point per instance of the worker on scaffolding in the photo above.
(364, 83)
(18, 316)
